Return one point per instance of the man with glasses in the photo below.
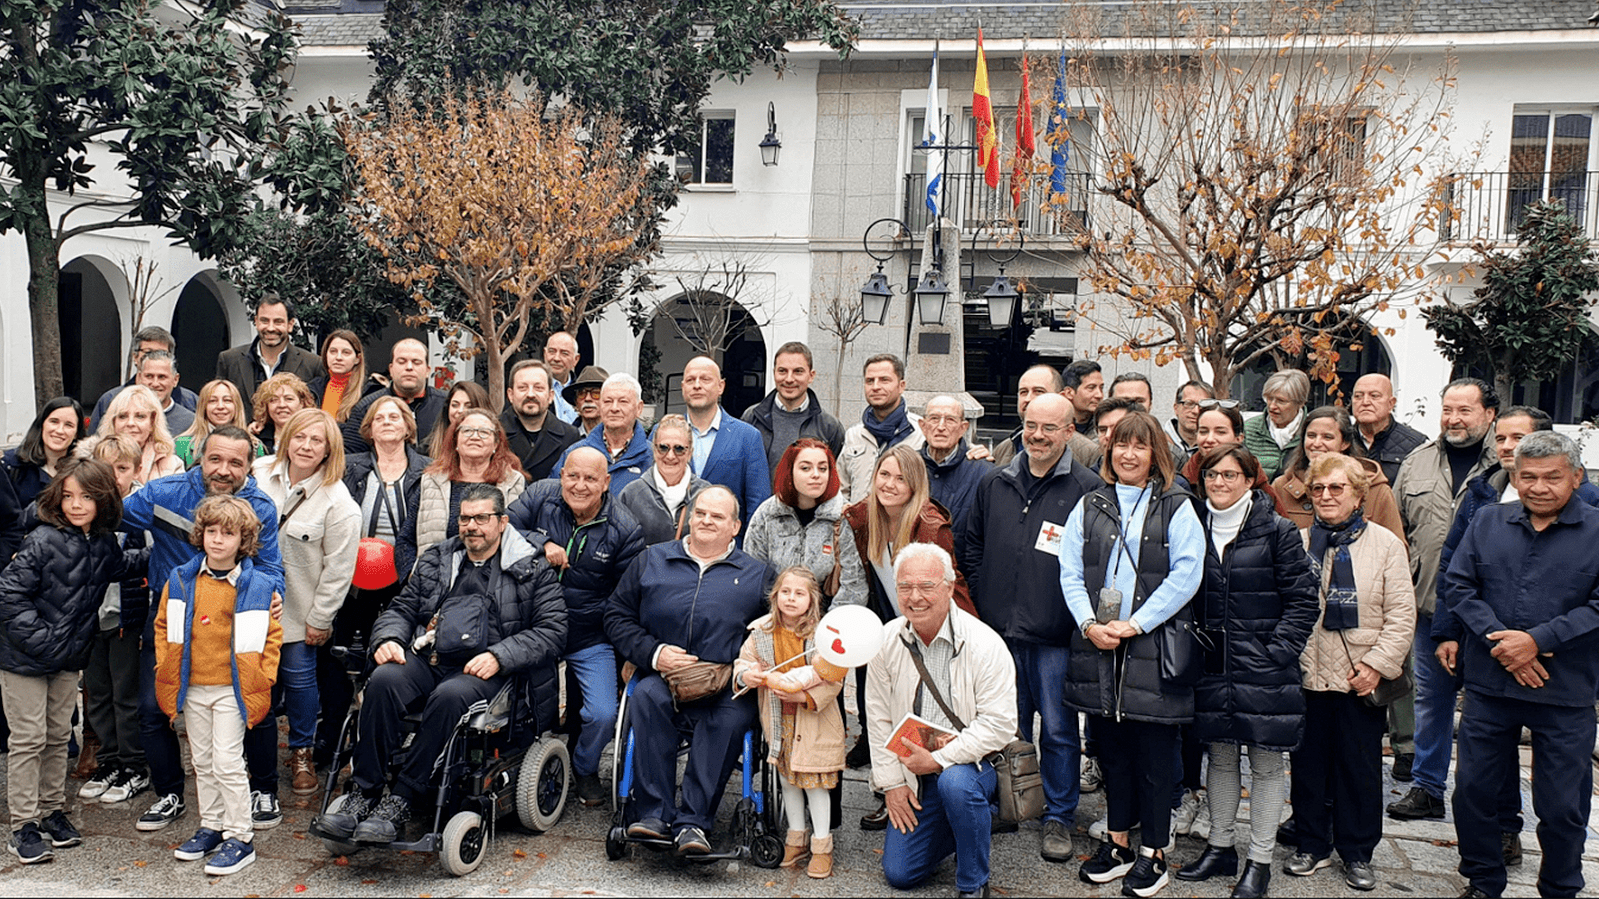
(619, 438)
(486, 565)
(1183, 426)
(1036, 382)
(536, 436)
(1012, 565)
(951, 475)
(939, 796)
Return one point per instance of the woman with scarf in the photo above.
(659, 497)
(1271, 436)
(1368, 619)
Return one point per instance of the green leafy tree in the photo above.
(184, 99)
(1530, 316)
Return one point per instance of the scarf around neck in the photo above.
(1285, 437)
(1343, 604)
(891, 430)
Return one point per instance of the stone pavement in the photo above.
(1415, 858)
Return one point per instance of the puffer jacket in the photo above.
(1258, 440)
(1428, 503)
(819, 732)
(596, 554)
(50, 597)
(359, 467)
(1387, 615)
(1380, 506)
(1014, 584)
(932, 526)
(665, 599)
(318, 539)
(1258, 605)
(531, 612)
(431, 523)
(257, 640)
(859, 456)
(776, 536)
(642, 499)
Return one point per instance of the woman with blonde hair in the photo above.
(219, 404)
(319, 533)
(279, 397)
(136, 413)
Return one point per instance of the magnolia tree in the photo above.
(1266, 178)
(525, 209)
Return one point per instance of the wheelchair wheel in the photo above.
(624, 727)
(766, 851)
(542, 784)
(464, 841)
(338, 847)
(615, 843)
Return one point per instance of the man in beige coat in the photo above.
(941, 797)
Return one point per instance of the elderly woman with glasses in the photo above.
(1367, 621)
(1271, 436)
(475, 451)
(660, 496)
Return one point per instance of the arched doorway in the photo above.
(200, 327)
(1360, 353)
(704, 324)
(91, 330)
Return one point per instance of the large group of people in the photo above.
(1151, 603)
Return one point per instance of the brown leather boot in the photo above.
(821, 857)
(303, 769)
(794, 850)
(87, 762)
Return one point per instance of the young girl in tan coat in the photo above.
(799, 715)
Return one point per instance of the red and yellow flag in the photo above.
(983, 115)
(1026, 144)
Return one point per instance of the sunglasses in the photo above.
(1219, 404)
(671, 449)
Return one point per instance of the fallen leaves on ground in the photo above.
(519, 853)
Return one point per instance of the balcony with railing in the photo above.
(1491, 205)
(970, 202)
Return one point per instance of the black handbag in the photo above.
(1182, 647)
(463, 627)
(1389, 690)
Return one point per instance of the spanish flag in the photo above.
(983, 115)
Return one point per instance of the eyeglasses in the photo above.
(1329, 489)
(479, 520)
(1230, 477)
(476, 432)
(1031, 426)
(937, 420)
(586, 391)
(1218, 404)
(924, 588)
(672, 449)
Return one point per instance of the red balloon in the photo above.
(374, 565)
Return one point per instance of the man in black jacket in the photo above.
(1012, 564)
(488, 564)
(270, 353)
(1383, 437)
(408, 380)
(536, 435)
(792, 410)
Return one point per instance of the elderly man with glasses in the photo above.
(952, 476)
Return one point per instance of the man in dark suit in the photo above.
(536, 435)
(408, 380)
(269, 353)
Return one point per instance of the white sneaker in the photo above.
(96, 785)
(129, 783)
(1199, 829)
(1100, 829)
(1092, 778)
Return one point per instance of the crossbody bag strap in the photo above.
(927, 681)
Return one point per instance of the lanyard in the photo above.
(1121, 535)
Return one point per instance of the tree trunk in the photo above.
(1221, 367)
(1503, 385)
(496, 366)
(44, 289)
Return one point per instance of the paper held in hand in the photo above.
(921, 732)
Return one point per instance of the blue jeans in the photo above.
(1040, 687)
(956, 816)
(595, 668)
(301, 702)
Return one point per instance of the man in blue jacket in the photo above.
(952, 478)
(681, 603)
(1525, 587)
(590, 540)
(726, 451)
(165, 508)
(619, 437)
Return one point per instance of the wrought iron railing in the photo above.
(970, 202)
(1491, 205)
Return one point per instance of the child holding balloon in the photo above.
(799, 717)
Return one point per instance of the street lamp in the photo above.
(1002, 296)
(931, 294)
(770, 144)
(875, 295)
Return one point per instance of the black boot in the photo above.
(1254, 882)
(1213, 862)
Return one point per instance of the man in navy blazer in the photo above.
(727, 451)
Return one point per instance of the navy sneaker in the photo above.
(204, 842)
(31, 846)
(691, 841)
(59, 831)
(232, 857)
(265, 811)
(167, 809)
(648, 829)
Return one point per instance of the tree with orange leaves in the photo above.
(1268, 175)
(528, 210)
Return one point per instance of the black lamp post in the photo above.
(1002, 297)
(770, 144)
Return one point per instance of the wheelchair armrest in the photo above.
(496, 712)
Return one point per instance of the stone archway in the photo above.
(705, 324)
(200, 327)
(92, 335)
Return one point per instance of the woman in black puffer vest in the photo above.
(1256, 607)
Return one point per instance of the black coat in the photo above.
(240, 365)
(50, 597)
(597, 553)
(531, 611)
(1258, 605)
(817, 424)
(540, 454)
(1016, 587)
(358, 468)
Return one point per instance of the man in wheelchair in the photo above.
(479, 608)
(680, 615)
